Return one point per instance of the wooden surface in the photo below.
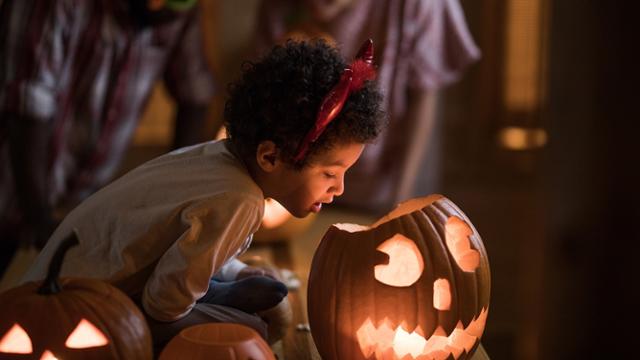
(297, 343)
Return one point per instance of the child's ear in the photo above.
(267, 156)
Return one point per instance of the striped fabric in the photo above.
(87, 68)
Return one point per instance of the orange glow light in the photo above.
(274, 214)
(441, 294)
(457, 239)
(405, 343)
(405, 262)
(16, 341)
(388, 343)
(47, 355)
(86, 335)
(519, 138)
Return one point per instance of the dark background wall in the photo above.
(591, 262)
(559, 221)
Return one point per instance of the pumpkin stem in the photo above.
(50, 285)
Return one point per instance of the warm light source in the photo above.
(274, 214)
(405, 343)
(405, 262)
(457, 240)
(414, 285)
(522, 88)
(86, 335)
(16, 341)
(520, 138)
(441, 294)
(47, 355)
(387, 342)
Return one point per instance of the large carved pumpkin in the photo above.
(71, 318)
(414, 285)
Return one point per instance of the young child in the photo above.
(168, 232)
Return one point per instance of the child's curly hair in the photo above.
(277, 99)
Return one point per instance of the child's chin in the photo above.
(299, 213)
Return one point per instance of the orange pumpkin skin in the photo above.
(49, 319)
(220, 341)
(344, 294)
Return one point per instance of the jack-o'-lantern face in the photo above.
(84, 336)
(415, 285)
(71, 319)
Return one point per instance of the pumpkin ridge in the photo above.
(337, 300)
(99, 321)
(441, 265)
(482, 273)
(410, 226)
(429, 275)
(117, 303)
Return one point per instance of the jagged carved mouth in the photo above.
(385, 342)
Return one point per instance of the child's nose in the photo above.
(338, 189)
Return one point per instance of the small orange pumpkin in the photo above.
(220, 341)
(414, 285)
(71, 318)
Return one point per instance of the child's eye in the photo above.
(329, 175)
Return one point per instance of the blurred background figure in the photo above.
(421, 46)
(74, 79)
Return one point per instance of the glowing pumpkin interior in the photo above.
(274, 214)
(403, 268)
(405, 263)
(85, 335)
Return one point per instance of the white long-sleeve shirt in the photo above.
(161, 231)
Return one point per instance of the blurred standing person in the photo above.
(74, 79)
(421, 46)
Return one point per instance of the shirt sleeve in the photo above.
(442, 46)
(217, 228)
(188, 77)
(35, 40)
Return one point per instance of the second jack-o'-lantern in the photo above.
(71, 318)
(414, 285)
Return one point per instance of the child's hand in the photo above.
(259, 271)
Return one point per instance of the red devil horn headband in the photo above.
(352, 79)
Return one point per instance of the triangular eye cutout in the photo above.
(86, 335)
(16, 341)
